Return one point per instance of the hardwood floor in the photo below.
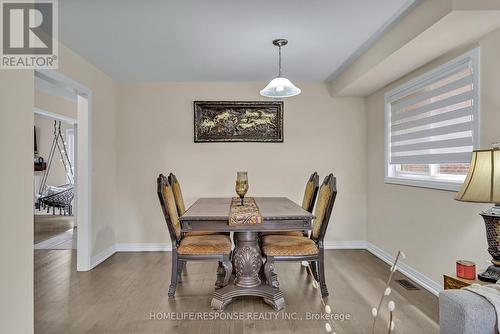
(48, 226)
(123, 293)
(65, 240)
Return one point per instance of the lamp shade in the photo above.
(482, 183)
(280, 87)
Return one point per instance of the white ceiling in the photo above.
(220, 40)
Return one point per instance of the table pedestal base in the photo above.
(248, 280)
(272, 296)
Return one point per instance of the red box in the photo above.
(466, 269)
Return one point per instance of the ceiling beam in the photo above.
(431, 29)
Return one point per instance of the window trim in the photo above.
(416, 84)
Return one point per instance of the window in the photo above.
(432, 125)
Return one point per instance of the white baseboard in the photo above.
(99, 258)
(144, 247)
(356, 244)
(405, 269)
(424, 281)
(133, 247)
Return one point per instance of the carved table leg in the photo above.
(247, 260)
(270, 275)
(220, 276)
(247, 282)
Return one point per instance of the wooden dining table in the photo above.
(278, 214)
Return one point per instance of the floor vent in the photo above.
(407, 284)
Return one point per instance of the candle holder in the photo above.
(242, 185)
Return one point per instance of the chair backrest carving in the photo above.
(169, 208)
(326, 199)
(176, 188)
(310, 192)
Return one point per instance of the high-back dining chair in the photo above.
(301, 248)
(191, 247)
(308, 201)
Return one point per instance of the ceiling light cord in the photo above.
(279, 62)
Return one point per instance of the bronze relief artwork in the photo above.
(233, 121)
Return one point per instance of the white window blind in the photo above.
(432, 120)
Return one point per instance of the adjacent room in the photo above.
(54, 167)
(250, 166)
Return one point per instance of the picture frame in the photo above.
(238, 121)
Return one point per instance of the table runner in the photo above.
(248, 213)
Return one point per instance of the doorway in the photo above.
(73, 147)
(54, 170)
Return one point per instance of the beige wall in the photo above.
(429, 225)
(155, 135)
(16, 180)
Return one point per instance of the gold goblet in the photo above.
(242, 185)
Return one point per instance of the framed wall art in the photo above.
(238, 121)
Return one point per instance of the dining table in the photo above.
(248, 277)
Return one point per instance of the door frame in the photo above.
(67, 119)
(83, 161)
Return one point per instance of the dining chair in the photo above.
(191, 247)
(179, 202)
(308, 201)
(288, 248)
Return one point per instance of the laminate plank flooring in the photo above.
(49, 226)
(126, 292)
(65, 240)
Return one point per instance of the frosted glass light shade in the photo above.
(482, 183)
(280, 87)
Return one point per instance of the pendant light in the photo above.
(280, 86)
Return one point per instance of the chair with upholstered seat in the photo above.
(191, 247)
(301, 248)
(308, 201)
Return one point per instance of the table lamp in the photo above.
(482, 185)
